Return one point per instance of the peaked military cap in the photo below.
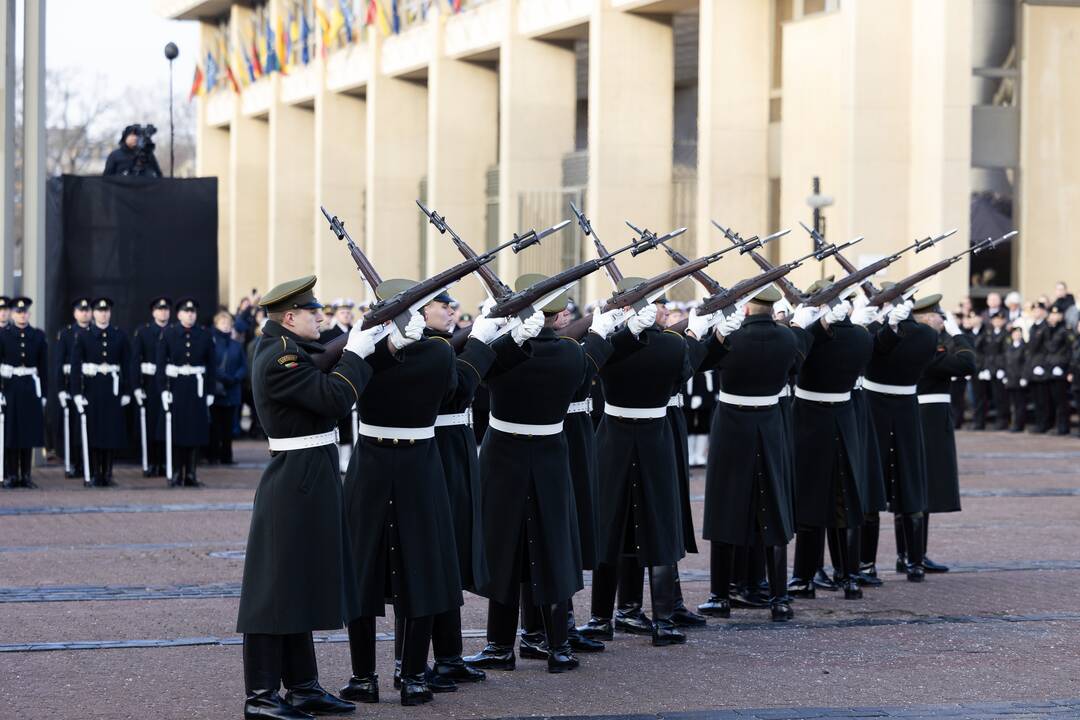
(103, 303)
(1056, 308)
(82, 303)
(557, 305)
(291, 295)
(5, 302)
(187, 303)
(389, 288)
(160, 303)
(21, 304)
(930, 303)
(767, 295)
(628, 282)
(819, 285)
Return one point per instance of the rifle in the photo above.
(792, 294)
(645, 292)
(586, 227)
(496, 288)
(744, 246)
(367, 270)
(867, 286)
(901, 288)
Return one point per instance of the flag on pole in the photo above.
(196, 83)
(347, 18)
(282, 51)
(305, 39)
(395, 18)
(272, 62)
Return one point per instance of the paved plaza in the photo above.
(121, 603)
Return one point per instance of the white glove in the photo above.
(63, 397)
(166, 399)
(863, 314)
(3, 400)
(125, 400)
(209, 400)
(413, 332)
(362, 342)
(528, 328)
(899, 313)
(984, 374)
(695, 402)
(140, 396)
(80, 403)
(485, 329)
(729, 324)
(1023, 382)
(604, 323)
(805, 316)
(1038, 370)
(1000, 374)
(699, 325)
(43, 401)
(838, 313)
(950, 325)
(1057, 372)
(644, 318)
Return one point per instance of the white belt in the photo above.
(872, 386)
(636, 413)
(785, 392)
(380, 432)
(66, 367)
(748, 400)
(21, 371)
(148, 368)
(514, 428)
(196, 370)
(675, 401)
(91, 369)
(461, 418)
(303, 442)
(859, 383)
(934, 398)
(804, 394)
(582, 406)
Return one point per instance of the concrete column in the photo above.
(397, 161)
(212, 160)
(940, 148)
(7, 145)
(248, 214)
(631, 115)
(536, 124)
(340, 169)
(34, 175)
(733, 125)
(463, 110)
(1049, 196)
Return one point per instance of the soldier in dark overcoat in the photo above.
(23, 390)
(60, 377)
(144, 347)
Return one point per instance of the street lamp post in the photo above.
(171, 53)
(817, 203)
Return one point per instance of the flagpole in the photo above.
(171, 52)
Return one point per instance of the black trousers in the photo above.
(1018, 405)
(1000, 394)
(958, 393)
(980, 390)
(1059, 404)
(1040, 395)
(221, 428)
(415, 637)
(273, 660)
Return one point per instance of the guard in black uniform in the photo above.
(1058, 346)
(955, 356)
(747, 493)
(61, 358)
(1038, 369)
(23, 390)
(144, 347)
(529, 514)
(997, 339)
(902, 350)
(1016, 379)
(400, 523)
(101, 384)
(186, 376)
(299, 573)
(5, 311)
(341, 322)
(982, 379)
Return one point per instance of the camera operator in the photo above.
(135, 155)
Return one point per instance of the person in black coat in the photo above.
(902, 350)
(341, 323)
(144, 347)
(983, 375)
(23, 391)
(187, 378)
(229, 372)
(1038, 370)
(955, 356)
(997, 339)
(129, 158)
(530, 518)
(1058, 346)
(748, 497)
(101, 384)
(299, 572)
(1016, 378)
(61, 358)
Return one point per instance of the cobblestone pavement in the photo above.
(121, 603)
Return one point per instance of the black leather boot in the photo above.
(301, 679)
(192, 477)
(844, 555)
(262, 678)
(776, 569)
(578, 642)
(684, 616)
(362, 689)
(533, 642)
(809, 543)
(598, 629)
(107, 469)
(913, 534)
(662, 589)
(501, 631)
(629, 616)
(446, 645)
(901, 543)
(364, 684)
(720, 561)
(493, 657)
(560, 657)
(929, 565)
(599, 626)
(414, 647)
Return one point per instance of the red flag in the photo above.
(232, 77)
(255, 59)
(196, 83)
